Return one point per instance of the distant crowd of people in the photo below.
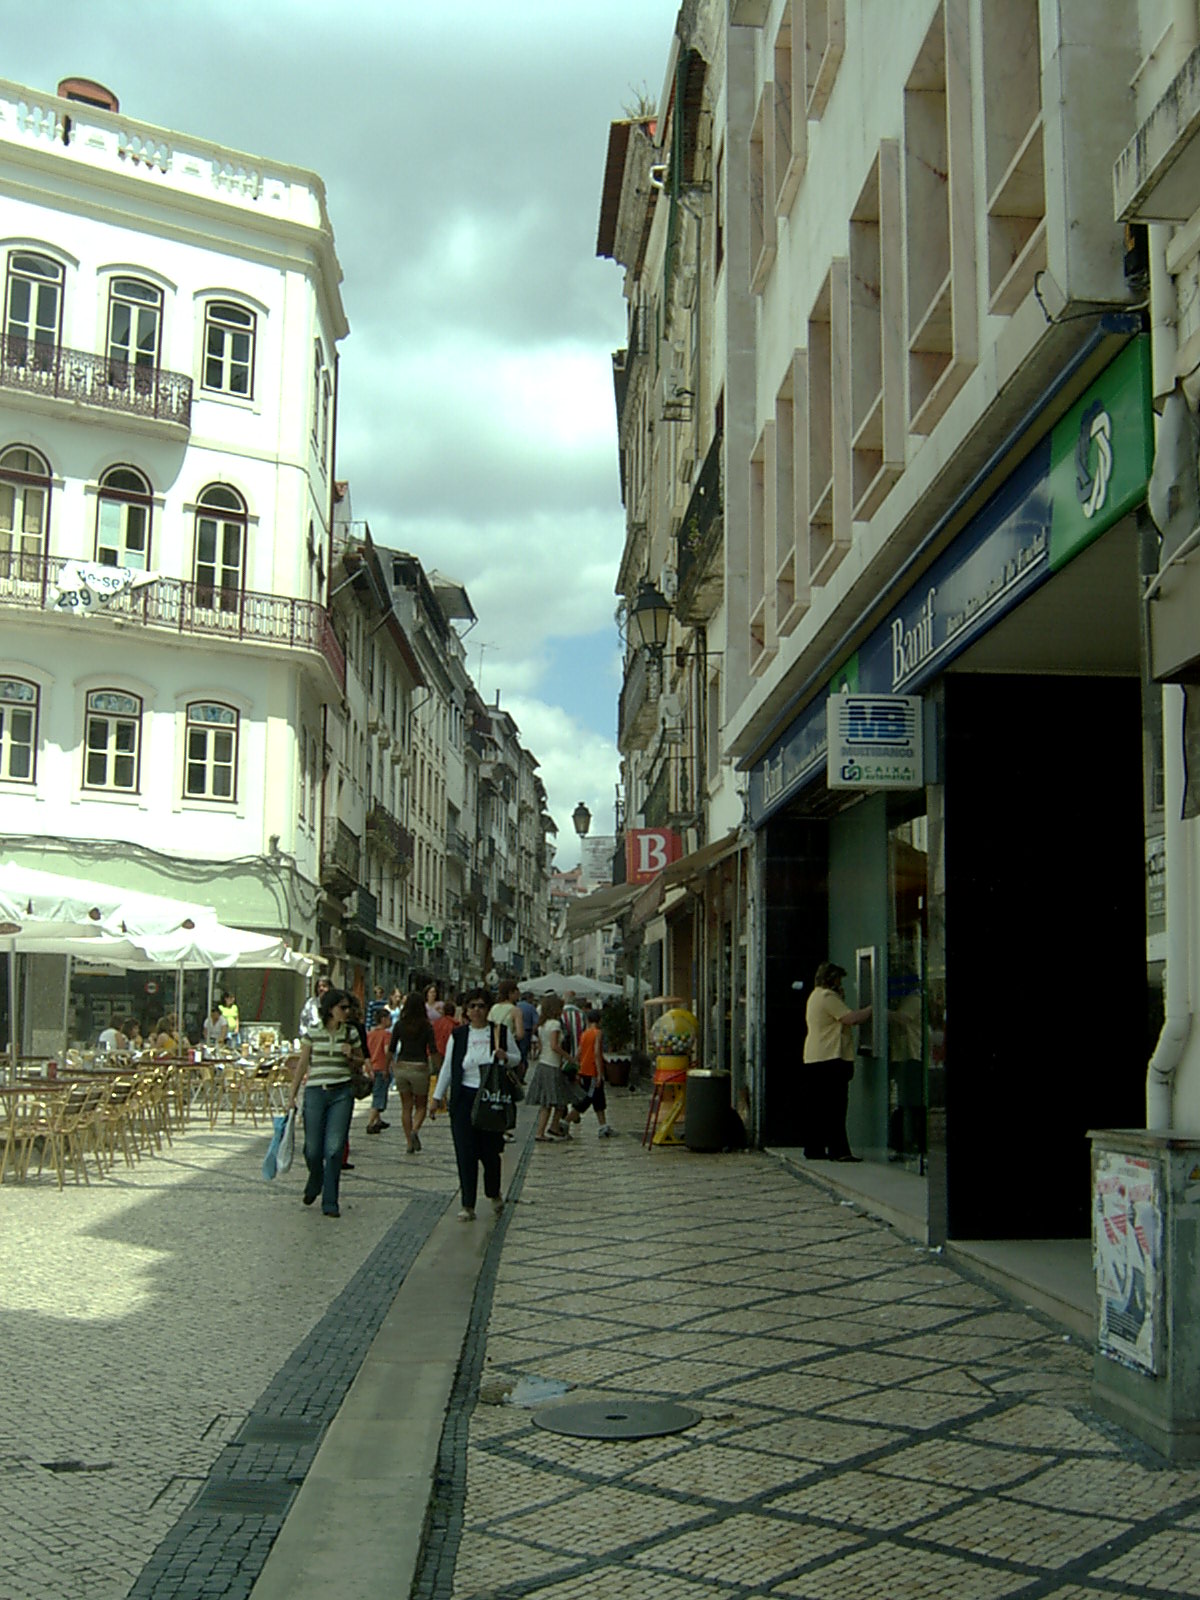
(433, 1050)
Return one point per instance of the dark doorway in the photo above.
(1045, 945)
(795, 899)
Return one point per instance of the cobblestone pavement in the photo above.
(145, 1318)
(874, 1425)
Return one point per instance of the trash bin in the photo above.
(707, 1110)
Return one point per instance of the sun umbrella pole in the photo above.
(66, 1012)
(209, 1004)
(13, 1019)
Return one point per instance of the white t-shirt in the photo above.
(109, 1039)
(549, 1034)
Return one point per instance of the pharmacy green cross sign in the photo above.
(429, 937)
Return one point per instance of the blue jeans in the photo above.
(379, 1090)
(326, 1123)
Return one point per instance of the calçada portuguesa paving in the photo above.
(873, 1424)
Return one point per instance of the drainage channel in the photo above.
(220, 1543)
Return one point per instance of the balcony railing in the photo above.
(504, 896)
(339, 853)
(172, 605)
(389, 835)
(82, 378)
(457, 845)
(636, 710)
(362, 909)
(700, 533)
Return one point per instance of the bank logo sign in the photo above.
(1093, 469)
(874, 741)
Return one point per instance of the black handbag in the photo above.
(494, 1109)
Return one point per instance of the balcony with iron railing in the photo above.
(505, 897)
(637, 709)
(388, 835)
(172, 605)
(53, 373)
(698, 565)
(457, 844)
(339, 856)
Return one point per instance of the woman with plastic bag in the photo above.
(281, 1149)
(473, 1048)
(329, 1054)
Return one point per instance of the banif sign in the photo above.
(874, 741)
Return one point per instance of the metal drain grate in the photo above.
(618, 1419)
(242, 1497)
(279, 1430)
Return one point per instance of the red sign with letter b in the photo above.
(648, 851)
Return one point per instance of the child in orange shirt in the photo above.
(591, 1074)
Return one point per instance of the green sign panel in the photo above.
(1101, 453)
(429, 937)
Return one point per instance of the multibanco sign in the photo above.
(874, 741)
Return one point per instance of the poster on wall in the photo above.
(596, 859)
(1127, 1253)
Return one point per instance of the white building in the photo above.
(167, 413)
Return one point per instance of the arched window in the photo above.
(32, 309)
(123, 519)
(134, 325)
(210, 759)
(220, 561)
(229, 349)
(18, 730)
(112, 741)
(24, 503)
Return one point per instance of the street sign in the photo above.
(429, 937)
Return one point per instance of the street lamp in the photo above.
(582, 818)
(651, 617)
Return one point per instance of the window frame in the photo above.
(11, 703)
(13, 275)
(230, 328)
(129, 367)
(215, 596)
(112, 750)
(28, 561)
(109, 493)
(193, 724)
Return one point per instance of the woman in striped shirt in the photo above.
(327, 1056)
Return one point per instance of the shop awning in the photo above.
(688, 869)
(600, 907)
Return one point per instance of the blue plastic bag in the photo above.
(281, 1148)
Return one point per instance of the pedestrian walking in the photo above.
(506, 1011)
(547, 1086)
(573, 1023)
(376, 1008)
(829, 1065)
(413, 1047)
(379, 1053)
(442, 1029)
(473, 1047)
(328, 1053)
(310, 1014)
(591, 1076)
(529, 1019)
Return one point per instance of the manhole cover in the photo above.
(526, 1391)
(618, 1419)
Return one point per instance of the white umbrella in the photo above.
(572, 982)
(35, 904)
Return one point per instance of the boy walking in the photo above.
(591, 1074)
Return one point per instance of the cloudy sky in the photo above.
(462, 144)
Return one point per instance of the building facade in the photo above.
(926, 351)
(167, 433)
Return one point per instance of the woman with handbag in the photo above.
(330, 1059)
(547, 1087)
(473, 1047)
(412, 1046)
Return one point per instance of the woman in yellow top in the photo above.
(829, 1065)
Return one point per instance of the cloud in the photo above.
(575, 764)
